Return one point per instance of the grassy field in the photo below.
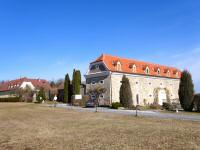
(33, 126)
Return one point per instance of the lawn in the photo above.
(34, 126)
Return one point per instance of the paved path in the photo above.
(140, 113)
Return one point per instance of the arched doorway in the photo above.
(162, 96)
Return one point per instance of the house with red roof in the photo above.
(9, 88)
(149, 82)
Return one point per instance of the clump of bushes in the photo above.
(155, 106)
(196, 102)
(116, 105)
(10, 99)
(80, 102)
(168, 106)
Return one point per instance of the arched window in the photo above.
(137, 99)
(119, 68)
(147, 70)
(134, 68)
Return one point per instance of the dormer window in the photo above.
(177, 74)
(134, 68)
(119, 66)
(158, 71)
(168, 73)
(147, 70)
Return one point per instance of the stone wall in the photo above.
(106, 84)
(144, 86)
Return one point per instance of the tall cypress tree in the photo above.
(76, 83)
(73, 82)
(125, 93)
(66, 89)
(186, 91)
(70, 93)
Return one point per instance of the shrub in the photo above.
(186, 91)
(27, 97)
(155, 106)
(10, 99)
(80, 102)
(196, 102)
(76, 102)
(84, 100)
(168, 106)
(66, 89)
(116, 105)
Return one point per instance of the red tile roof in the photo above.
(14, 84)
(127, 66)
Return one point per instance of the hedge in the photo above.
(116, 105)
(10, 99)
(168, 106)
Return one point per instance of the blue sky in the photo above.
(48, 38)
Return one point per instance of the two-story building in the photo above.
(149, 82)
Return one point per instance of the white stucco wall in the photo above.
(24, 84)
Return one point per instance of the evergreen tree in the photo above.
(125, 93)
(76, 83)
(41, 95)
(73, 82)
(79, 76)
(66, 89)
(186, 91)
(70, 93)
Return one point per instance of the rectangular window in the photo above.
(93, 97)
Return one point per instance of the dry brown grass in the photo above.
(32, 126)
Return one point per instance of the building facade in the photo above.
(9, 88)
(149, 82)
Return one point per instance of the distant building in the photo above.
(9, 88)
(149, 82)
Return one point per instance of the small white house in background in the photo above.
(149, 82)
(29, 84)
(8, 89)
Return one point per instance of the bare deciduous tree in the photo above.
(96, 91)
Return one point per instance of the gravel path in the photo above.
(133, 112)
